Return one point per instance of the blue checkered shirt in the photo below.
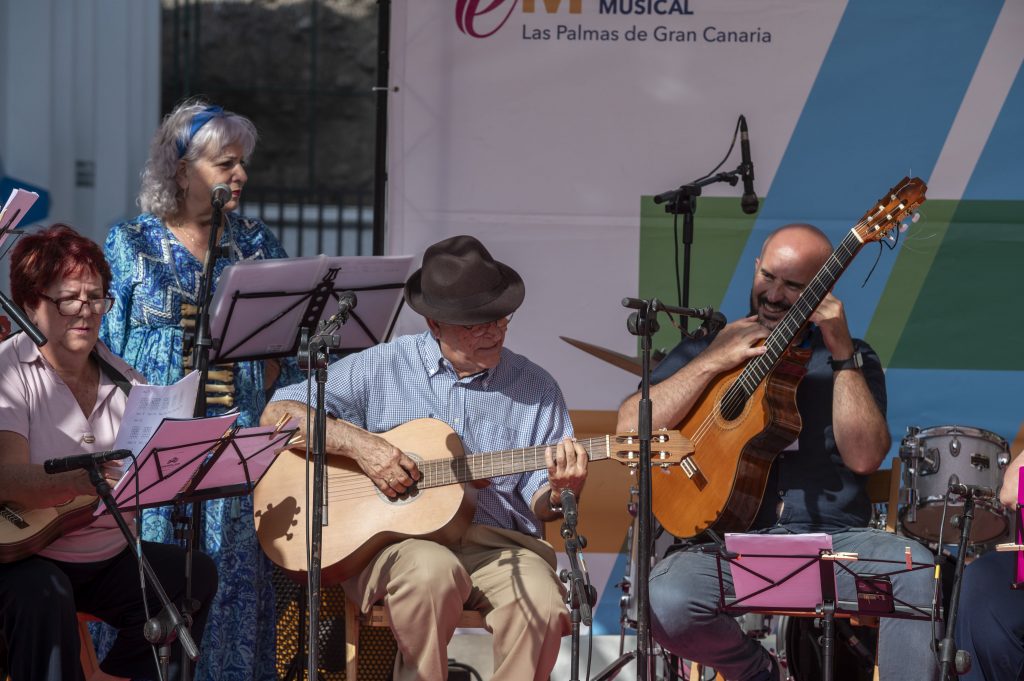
(516, 404)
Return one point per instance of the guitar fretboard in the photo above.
(782, 336)
(439, 472)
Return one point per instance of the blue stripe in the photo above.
(997, 175)
(881, 107)
(933, 397)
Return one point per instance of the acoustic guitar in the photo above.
(24, 533)
(746, 416)
(361, 520)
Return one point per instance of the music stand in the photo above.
(1017, 579)
(796, 573)
(260, 306)
(191, 460)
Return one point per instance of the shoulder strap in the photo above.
(113, 374)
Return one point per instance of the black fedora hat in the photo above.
(460, 283)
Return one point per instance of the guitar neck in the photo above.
(439, 472)
(796, 319)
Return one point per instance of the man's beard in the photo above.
(755, 309)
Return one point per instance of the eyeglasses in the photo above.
(71, 306)
(478, 330)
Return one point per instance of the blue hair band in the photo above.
(198, 121)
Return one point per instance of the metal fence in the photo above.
(310, 222)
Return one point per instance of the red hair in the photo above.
(58, 251)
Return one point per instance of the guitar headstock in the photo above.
(900, 201)
(667, 447)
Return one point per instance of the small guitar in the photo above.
(746, 416)
(363, 520)
(26, 532)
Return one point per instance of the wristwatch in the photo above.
(856, 361)
(556, 506)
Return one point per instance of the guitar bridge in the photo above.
(689, 467)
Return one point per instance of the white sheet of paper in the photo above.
(149, 405)
(17, 206)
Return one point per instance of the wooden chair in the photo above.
(883, 490)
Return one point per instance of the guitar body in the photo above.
(732, 457)
(24, 533)
(361, 520)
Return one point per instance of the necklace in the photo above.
(178, 229)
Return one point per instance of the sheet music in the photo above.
(149, 405)
(14, 210)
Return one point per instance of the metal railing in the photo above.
(311, 221)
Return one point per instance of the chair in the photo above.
(883, 489)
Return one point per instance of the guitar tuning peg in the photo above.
(903, 227)
(915, 217)
(664, 468)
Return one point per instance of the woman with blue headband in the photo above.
(157, 261)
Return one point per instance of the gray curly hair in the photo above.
(176, 141)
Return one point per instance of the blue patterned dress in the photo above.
(153, 274)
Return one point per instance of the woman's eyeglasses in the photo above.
(72, 307)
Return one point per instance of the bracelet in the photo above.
(555, 506)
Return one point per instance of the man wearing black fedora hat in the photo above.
(459, 372)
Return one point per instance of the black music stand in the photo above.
(268, 309)
(260, 306)
(769, 575)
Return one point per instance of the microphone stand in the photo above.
(314, 353)
(161, 629)
(683, 201)
(192, 528)
(953, 662)
(580, 596)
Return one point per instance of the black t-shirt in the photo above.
(819, 492)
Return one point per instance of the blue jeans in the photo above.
(990, 622)
(685, 618)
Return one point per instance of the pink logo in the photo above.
(469, 12)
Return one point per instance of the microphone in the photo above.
(711, 325)
(749, 202)
(76, 461)
(221, 194)
(569, 510)
(976, 491)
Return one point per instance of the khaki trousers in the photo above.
(506, 575)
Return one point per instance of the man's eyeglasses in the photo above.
(478, 330)
(71, 306)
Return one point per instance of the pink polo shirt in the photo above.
(37, 404)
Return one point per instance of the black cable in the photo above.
(453, 664)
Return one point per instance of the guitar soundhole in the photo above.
(733, 404)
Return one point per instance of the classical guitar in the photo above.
(746, 416)
(26, 532)
(361, 520)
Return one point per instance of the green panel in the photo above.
(720, 233)
(968, 311)
(916, 252)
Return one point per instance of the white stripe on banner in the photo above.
(981, 105)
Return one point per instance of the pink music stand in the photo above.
(189, 460)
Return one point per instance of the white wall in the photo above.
(79, 82)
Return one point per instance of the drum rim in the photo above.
(970, 431)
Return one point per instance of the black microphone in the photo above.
(976, 491)
(749, 202)
(76, 461)
(569, 510)
(221, 194)
(711, 325)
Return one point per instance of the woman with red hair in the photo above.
(63, 398)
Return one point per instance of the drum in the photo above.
(934, 457)
(798, 647)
